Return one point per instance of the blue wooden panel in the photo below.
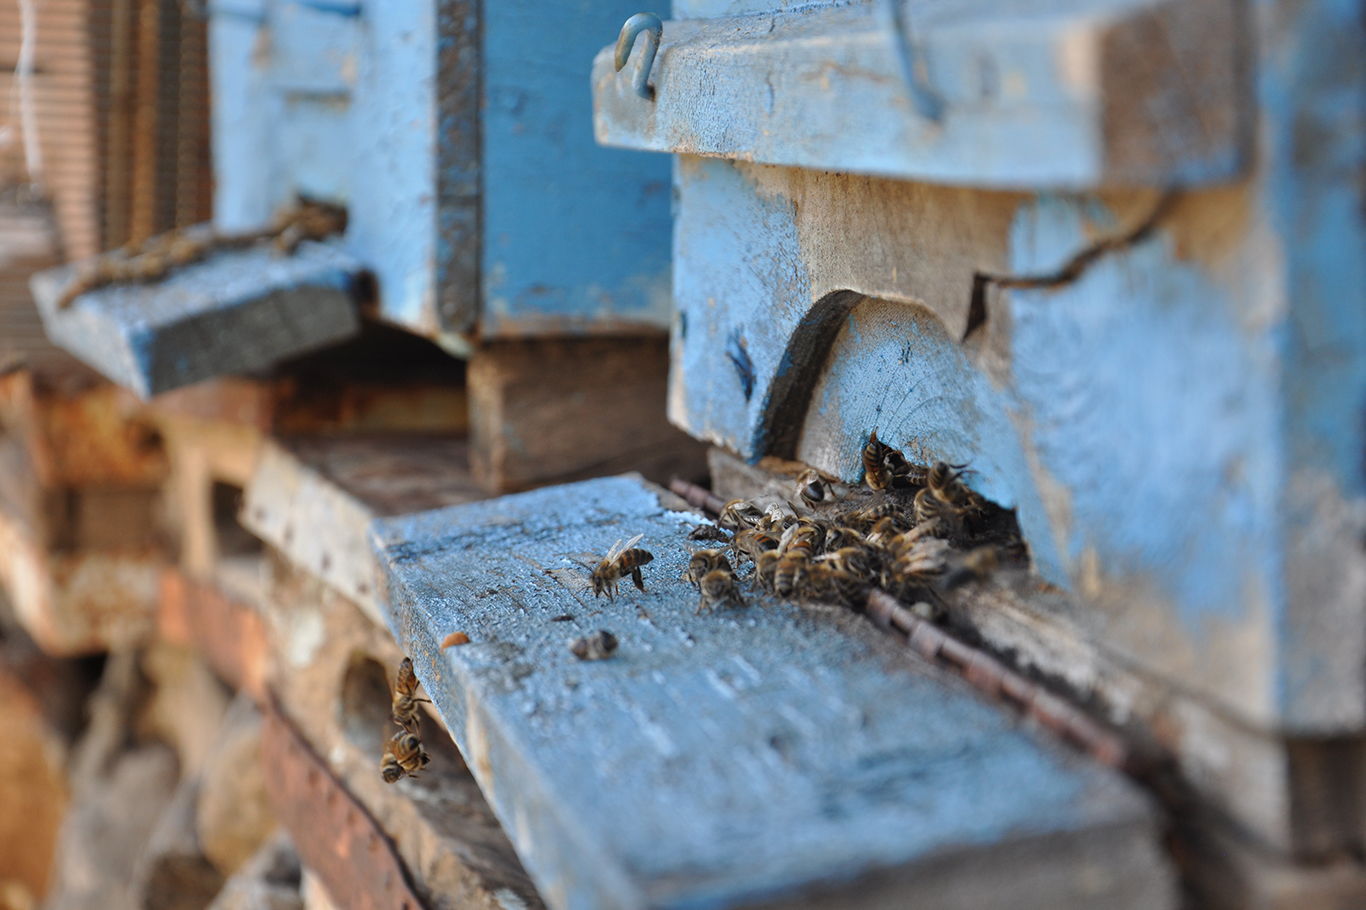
(1033, 94)
(575, 236)
(282, 73)
(751, 755)
(235, 312)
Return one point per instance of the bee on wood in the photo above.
(405, 702)
(945, 481)
(598, 646)
(739, 513)
(885, 467)
(775, 519)
(708, 532)
(868, 516)
(719, 587)
(403, 754)
(812, 488)
(849, 560)
(790, 571)
(622, 560)
(765, 567)
(806, 535)
(931, 511)
(840, 537)
(883, 532)
(823, 582)
(752, 542)
(704, 561)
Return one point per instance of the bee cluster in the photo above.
(403, 753)
(915, 532)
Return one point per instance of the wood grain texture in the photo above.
(1051, 95)
(235, 312)
(772, 755)
(313, 499)
(544, 411)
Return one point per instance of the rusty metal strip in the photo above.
(697, 497)
(999, 682)
(336, 837)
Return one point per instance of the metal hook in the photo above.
(653, 28)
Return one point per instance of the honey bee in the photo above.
(775, 519)
(849, 560)
(708, 532)
(875, 470)
(790, 571)
(718, 587)
(975, 565)
(839, 537)
(403, 754)
(752, 542)
(870, 515)
(765, 567)
(405, 702)
(811, 488)
(806, 535)
(883, 532)
(931, 511)
(739, 513)
(825, 583)
(945, 481)
(622, 560)
(598, 646)
(704, 561)
(925, 557)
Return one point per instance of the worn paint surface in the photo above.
(1058, 95)
(460, 139)
(715, 758)
(235, 312)
(1159, 422)
(575, 236)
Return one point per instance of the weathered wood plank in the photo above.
(235, 312)
(554, 410)
(1052, 95)
(774, 756)
(313, 499)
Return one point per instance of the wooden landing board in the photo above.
(313, 498)
(235, 312)
(772, 755)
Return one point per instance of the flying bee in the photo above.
(708, 532)
(405, 702)
(622, 560)
(718, 587)
(765, 567)
(811, 488)
(752, 542)
(704, 561)
(598, 646)
(403, 754)
(739, 513)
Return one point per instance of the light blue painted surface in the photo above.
(281, 74)
(340, 102)
(1023, 93)
(392, 223)
(574, 235)
(727, 757)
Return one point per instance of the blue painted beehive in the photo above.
(458, 134)
(1112, 255)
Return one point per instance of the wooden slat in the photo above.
(768, 755)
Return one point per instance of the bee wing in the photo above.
(631, 543)
(614, 552)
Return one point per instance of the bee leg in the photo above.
(638, 578)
